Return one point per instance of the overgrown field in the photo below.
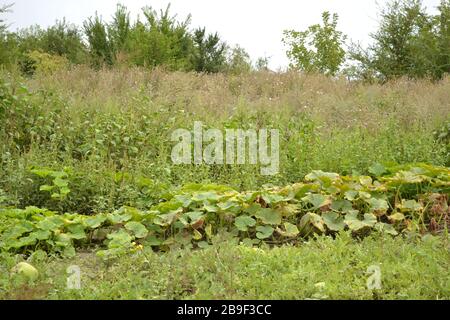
(87, 179)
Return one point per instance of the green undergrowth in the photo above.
(394, 200)
(322, 268)
(119, 149)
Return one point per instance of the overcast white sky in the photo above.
(256, 25)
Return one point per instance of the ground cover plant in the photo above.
(398, 199)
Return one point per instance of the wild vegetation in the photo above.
(409, 42)
(85, 173)
(86, 176)
(323, 268)
(399, 199)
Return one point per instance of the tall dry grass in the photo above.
(334, 102)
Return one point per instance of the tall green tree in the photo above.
(239, 61)
(443, 37)
(65, 40)
(262, 64)
(409, 42)
(119, 29)
(4, 9)
(317, 49)
(209, 54)
(8, 41)
(400, 34)
(163, 40)
(100, 47)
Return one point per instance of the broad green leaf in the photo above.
(269, 216)
(253, 209)
(63, 240)
(95, 221)
(369, 219)
(396, 217)
(69, 252)
(409, 177)
(351, 195)
(243, 222)
(77, 231)
(210, 208)
(365, 181)
(314, 220)
(169, 207)
(410, 205)
(51, 223)
(25, 242)
(341, 205)
(264, 232)
(137, 228)
(182, 222)
(333, 221)
(321, 176)
(64, 191)
(119, 239)
(59, 174)
(116, 218)
(377, 205)
(184, 199)
(387, 228)
(19, 229)
(167, 219)
(352, 221)
(227, 206)
(377, 170)
(41, 172)
(153, 241)
(41, 235)
(247, 242)
(291, 230)
(364, 195)
(210, 196)
(317, 200)
(301, 189)
(355, 224)
(195, 216)
(271, 198)
(288, 209)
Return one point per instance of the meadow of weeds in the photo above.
(101, 139)
(113, 127)
(323, 268)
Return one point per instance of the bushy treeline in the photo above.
(409, 42)
(155, 39)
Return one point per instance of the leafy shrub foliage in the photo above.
(396, 199)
